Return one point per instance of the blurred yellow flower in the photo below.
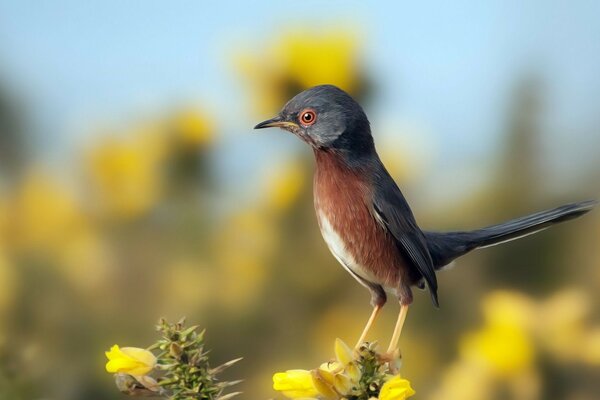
(45, 214)
(285, 184)
(396, 388)
(193, 128)
(253, 235)
(125, 173)
(562, 327)
(4, 212)
(311, 58)
(591, 347)
(509, 309)
(301, 59)
(8, 282)
(504, 350)
(130, 360)
(505, 344)
(87, 262)
(295, 383)
(464, 380)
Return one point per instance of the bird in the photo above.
(365, 219)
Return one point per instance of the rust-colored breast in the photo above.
(356, 239)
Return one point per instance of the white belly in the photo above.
(338, 248)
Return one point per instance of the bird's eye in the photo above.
(308, 117)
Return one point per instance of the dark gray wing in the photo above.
(394, 213)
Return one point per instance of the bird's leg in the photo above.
(370, 322)
(378, 299)
(398, 328)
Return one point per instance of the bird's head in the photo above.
(323, 116)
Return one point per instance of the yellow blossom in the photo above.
(343, 353)
(193, 128)
(505, 344)
(340, 377)
(396, 388)
(590, 352)
(130, 360)
(284, 185)
(301, 59)
(42, 207)
(254, 236)
(329, 380)
(125, 173)
(8, 282)
(324, 383)
(295, 383)
(4, 213)
(466, 381)
(562, 327)
(504, 350)
(509, 309)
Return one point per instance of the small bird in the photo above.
(363, 216)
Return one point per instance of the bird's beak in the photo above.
(275, 122)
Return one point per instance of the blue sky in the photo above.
(448, 68)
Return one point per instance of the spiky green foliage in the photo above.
(374, 370)
(183, 368)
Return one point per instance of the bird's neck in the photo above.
(352, 149)
(344, 160)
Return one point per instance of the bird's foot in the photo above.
(361, 346)
(363, 349)
(393, 359)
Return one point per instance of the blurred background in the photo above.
(133, 187)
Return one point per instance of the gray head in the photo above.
(325, 117)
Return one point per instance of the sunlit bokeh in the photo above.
(132, 187)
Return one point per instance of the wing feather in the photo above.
(395, 215)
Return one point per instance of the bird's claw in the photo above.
(393, 359)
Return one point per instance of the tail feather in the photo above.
(447, 246)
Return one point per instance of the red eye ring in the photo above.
(307, 117)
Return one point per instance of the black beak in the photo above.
(278, 121)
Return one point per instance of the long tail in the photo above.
(444, 247)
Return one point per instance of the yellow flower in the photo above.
(8, 283)
(42, 207)
(340, 377)
(130, 360)
(193, 128)
(396, 388)
(345, 358)
(562, 326)
(590, 350)
(300, 59)
(284, 186)
(295, 383)
(125, 173)
(466, 381)
(324, 382)
(509, 310)
(505, 350)
(504, 346)
(343, 353)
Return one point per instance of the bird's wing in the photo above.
(395, 215)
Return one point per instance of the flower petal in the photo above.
(353, 372)
(295, 383)
(323, 386)
(343, 353)
(396, 388)
(130, 360)
(343, 384)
